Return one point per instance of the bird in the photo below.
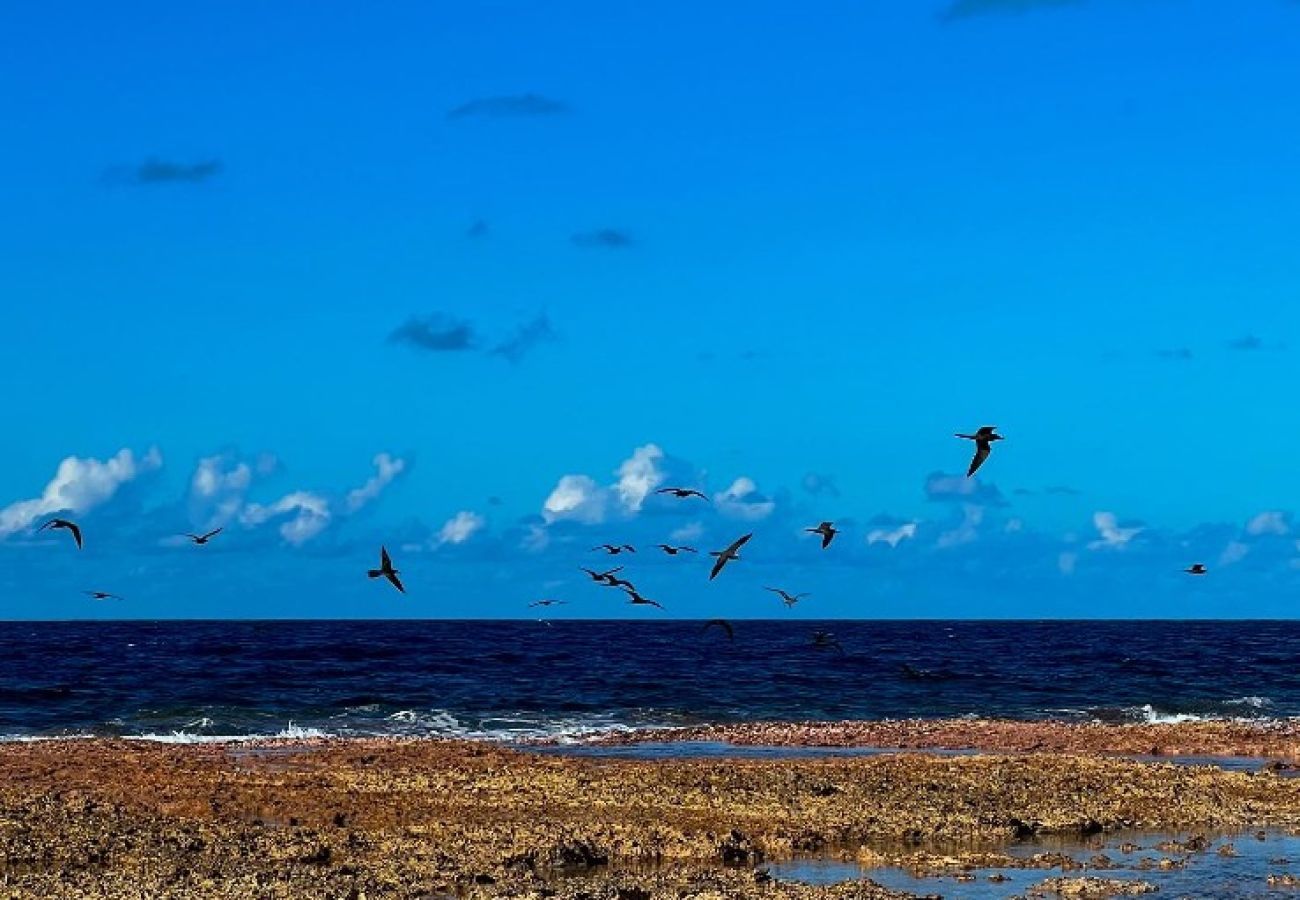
(983, 439)
(547, 603)
(637, 600)
(386, 570)
(73, 527)
(827, 530)
(673, 551)
(724, 625)
(726, 556)
(601, 577)
(824, 639)
(200, 539)
(787, 598)
(683, 493)
(615, 549)
(101, 595)
(1196, 569)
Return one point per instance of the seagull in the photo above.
(386, 570)
(101, 595)
(983, 439)
(601, 577)
(823, 639)
(787, 598)
(683, 493)
(827, 531)
(64, 523)
(200, 539)
(547, 603)
(637, 600)
(726, 556)
(724, 625)
(615, 549)
(673, 551)
(1196, 569)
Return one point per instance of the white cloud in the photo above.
(310, 515)
(1235, 552)
(219, 485)
(387, 468)
(638, 476)
(743, 501)
(691, 531)
(575, 498)
(967, 531)
(1066, 562)
(892, 536)
(1113, 536)
(1272, 522)
(79, 485)
(460, 527)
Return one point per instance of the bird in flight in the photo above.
(822, 640)
(101, 595)
(615, 549)
(724, 625)
(787, 598)
(683, 493)
(72, 527)
(637, 600)
(673, 551)
(726, 556)
(547, 603)
(1196, 569)
(827, 530)
(983, 439)
(386, 570)
(200, 539)
(609, 579)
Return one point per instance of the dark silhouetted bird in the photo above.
(827, 531)
(724, 625)
(824, 640)
(787, 598)
(726, 556)
(601, 577)
(1196, 569)
(101, 595)
(201, 539)
(615, 549)
(682, 493)
(673, 551)
(386, 570)
(637, 600)
(546, 603)
(983, 439)
(72, 527)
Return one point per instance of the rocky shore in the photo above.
(425, 818)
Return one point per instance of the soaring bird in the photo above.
(827, 530)
(101, 595)
(1196, 569)
(673, 551)
(201, 539)
(73, 527)
(601, 577)
(724, 625)
(386, 570)
(822, 640)
(547, 603)
(682, 493)
(787, 598)
(615, 549)
(726, 556)
(983, 439)
(637, 600)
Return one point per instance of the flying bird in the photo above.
(101, 595)
(726, 556)
(983, 439)
(1196, 569)
(724, 625)
(601, 577)
(546, 603)
(827, 530)
(787, 598)
(683, 493)
(200, 539)
(72, 527)
(822, 640)
(673, 551)
(637, 600)
(386, 570)
(615, 549)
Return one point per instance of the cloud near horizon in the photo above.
(79, 486)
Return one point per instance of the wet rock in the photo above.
(1090, 887)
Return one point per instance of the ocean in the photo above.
(196, 681)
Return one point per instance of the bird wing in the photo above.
(49, 524)
(213, 533)
(397, 582)
(986, 430)
(687, 550)
(384, 561)
(981, 454)
(739, 542)
(76, 532)
(717, 565)
(827, 536)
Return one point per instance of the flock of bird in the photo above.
(984, 438)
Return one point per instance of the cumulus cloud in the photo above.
(580, 498)
(892, 536)
(1234, 552)
(436, 333)
(606, 238)
(941, 487)
(526, 338)
(743, 501)
(575, 498)
(1112, 535)
(508, 106)
(78, 486)
(638, 475)
(691, 531)
(460, 527)
(1271, 522)
(966, 531)
(221, 482)
(387, 468)
(306, 515)
(159, 171)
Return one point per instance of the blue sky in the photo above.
(495, 245)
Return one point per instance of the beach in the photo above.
(392, 817)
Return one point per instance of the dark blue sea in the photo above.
(569, 679)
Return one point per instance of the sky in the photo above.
(472, 281)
